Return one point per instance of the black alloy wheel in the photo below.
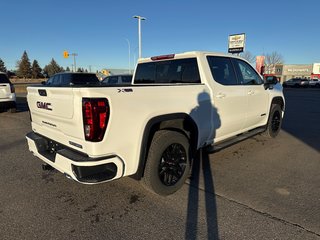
(172, 164)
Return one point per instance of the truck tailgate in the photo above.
(57, 102)
(55, 113)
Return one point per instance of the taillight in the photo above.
(12, 89)
(95, 113)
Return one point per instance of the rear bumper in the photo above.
(7, 104)
(75, 165)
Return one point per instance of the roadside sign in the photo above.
(260, 64)
(236, 43)
(65, 54)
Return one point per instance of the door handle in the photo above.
(250, 92)
(220, 95)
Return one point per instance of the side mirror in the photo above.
(270, 81)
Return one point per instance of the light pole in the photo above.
(129, 70)
(74, 60)
(139, 31)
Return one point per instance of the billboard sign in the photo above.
(316, 68)
(236, 43)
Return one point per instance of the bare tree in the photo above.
(248, 56)
(271, 60)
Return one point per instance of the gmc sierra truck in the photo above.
(151, 129)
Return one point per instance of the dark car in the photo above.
(118, 79)
(71, 78)
(296, 82)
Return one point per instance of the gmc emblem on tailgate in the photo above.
(44, 105)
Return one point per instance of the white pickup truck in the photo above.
(151, 129)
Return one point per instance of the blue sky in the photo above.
(97, 30)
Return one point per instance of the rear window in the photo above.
(4, 78)
(172, 71)
(84, 78)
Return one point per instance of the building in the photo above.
(114, 71)
(296, 71)
(316, 71)
(288, 71)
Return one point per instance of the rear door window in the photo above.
(171, 71)
(222, 70)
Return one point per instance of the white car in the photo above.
(118, 79)
(314, 83)
(7, 94)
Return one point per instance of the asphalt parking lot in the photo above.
(257, 189)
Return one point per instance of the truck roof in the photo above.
(185, 55)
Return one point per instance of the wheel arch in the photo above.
(180, 122)
(279, 101)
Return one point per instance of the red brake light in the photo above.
(162, 57)
(95, 113)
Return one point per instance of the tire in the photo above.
(274, 122)
(168, 162)
(13, 110)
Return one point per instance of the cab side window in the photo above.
(222, 70)
(246, 73)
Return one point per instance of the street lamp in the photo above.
(139, 31)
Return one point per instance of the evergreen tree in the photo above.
(24, 66)
(52, 68)
(67, 69)
(79, 70)
(36, 70)
(2, 66)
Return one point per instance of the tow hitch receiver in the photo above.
(46, 167)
